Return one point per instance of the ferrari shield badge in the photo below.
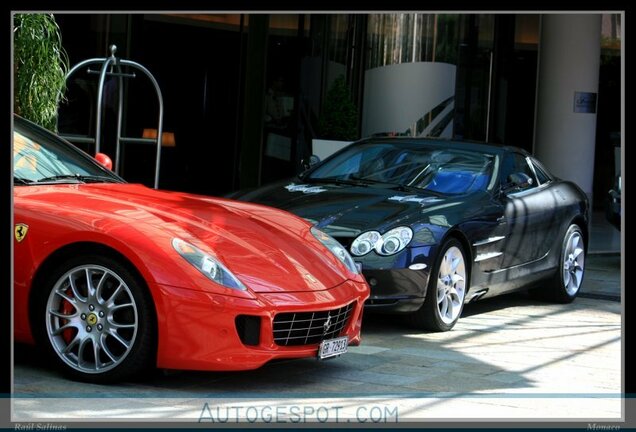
(21, 231)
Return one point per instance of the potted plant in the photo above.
(39, 68)
(338, 124)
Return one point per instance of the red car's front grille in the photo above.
(305, 328)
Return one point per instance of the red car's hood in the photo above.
(267, 249)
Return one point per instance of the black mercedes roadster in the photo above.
(435, 224)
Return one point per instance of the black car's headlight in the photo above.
(336, 248)
(389, 243)
(207, 264)
(365, 243)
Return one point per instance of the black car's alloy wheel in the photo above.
(567, 281)
(565, 284)
(446, 290)
(95, 319)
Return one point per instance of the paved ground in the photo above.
(602, 277)
(509, 357)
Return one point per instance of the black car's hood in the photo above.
(346, 210)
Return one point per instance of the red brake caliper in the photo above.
(68, 309)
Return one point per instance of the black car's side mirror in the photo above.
(308, 163)
(517, 182)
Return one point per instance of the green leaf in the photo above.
(339, 120)
(40, 66)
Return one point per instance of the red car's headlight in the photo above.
(336, 248)
(207, 264)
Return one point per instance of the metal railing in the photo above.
(112, 66)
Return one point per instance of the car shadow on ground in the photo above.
(393, 359)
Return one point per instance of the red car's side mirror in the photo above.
(104, 161)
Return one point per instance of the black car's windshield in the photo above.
(39, 158)
(410, 165)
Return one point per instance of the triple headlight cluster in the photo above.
(389, 243)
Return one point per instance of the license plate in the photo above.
(333, 347)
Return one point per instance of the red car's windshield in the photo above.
(40, 157)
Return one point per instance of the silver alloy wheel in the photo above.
(91, 319)
(573, 263)
(451, 285)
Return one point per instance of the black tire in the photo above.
(558, 289)
(429, 317)
(117, 334)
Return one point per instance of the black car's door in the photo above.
(528, 215)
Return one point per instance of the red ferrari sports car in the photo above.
(111, 278)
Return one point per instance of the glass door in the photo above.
(281, 94)
(474, 77)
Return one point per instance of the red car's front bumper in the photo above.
(198, 330)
